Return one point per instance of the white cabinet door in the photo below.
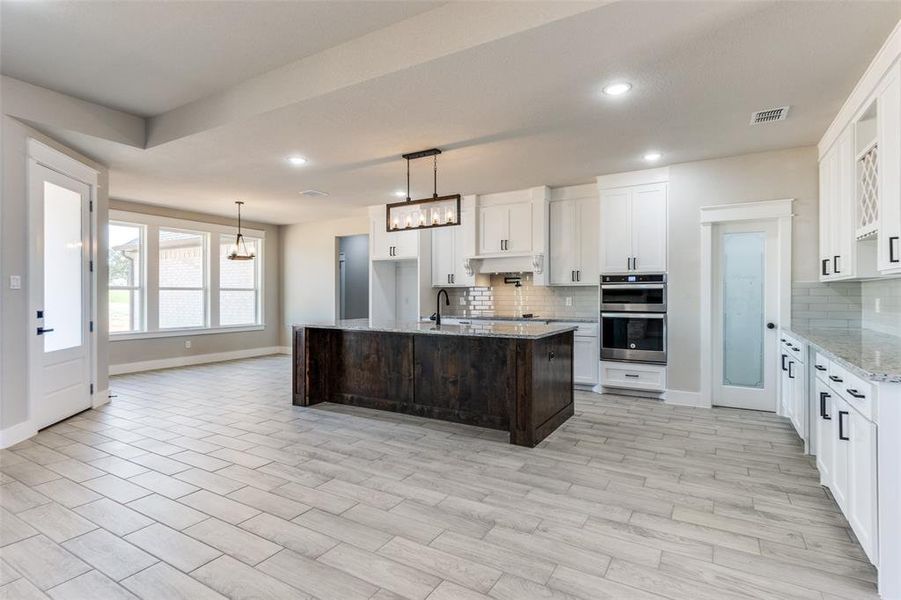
(649, 228)
(380, 240)
(888, 135)
(845, 226)
(862, 481)
(494, 228)
(519, 236)
(840, 472)
(616, 231)
(564, 242)
(586, 361)
(796, 394)
(406, 244)
(825, 212)
(825, 412)
(442, 255)
(464, 247)
(589, 242)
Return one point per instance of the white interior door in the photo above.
(60, 295)
(745, 301)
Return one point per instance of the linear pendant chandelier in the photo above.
(437, 211)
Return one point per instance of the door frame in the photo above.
(40, 154)
(779, 211)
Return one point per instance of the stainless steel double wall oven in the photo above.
(633, 317)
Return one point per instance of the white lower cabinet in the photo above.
(633, 376)
(847, 448)
(585, 360)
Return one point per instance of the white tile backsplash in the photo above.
(882, 305)
(507, 300)
(870, 304)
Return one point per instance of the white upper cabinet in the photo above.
(505, 228)
(574, 241)
(390, 245)
(888, 137)
(634, 229)
(452, 247)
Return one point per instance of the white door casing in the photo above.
(61, 285)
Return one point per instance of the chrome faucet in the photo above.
(438, 305)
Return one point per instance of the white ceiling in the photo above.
(148, 57)
(525, 109)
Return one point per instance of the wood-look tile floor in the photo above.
(204, 482)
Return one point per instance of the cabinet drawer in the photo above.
(821, 366)
(582, 329)
(639, 377)
(858, 393)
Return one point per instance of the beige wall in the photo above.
(15, 313)
(309, 269)
(133, 351)
(791, 173)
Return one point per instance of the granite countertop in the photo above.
(537, 318)
(873, 355)
(518, 330)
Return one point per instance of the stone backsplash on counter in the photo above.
(872, 305)
(507, 300)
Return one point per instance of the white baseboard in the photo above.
(196, 359)
(16, 433)
(100, 398)
(284, 349)
(683, 398)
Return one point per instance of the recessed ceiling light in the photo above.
(400, 193)
(617, 89)
(652, 156)
(297, 160)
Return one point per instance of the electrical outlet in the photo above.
(569, 300)
(188, 344)
(15, 282)
(462, 301)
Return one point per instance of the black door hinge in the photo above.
(92, 389)
(91, 266)
(91, 205)
(91, 326)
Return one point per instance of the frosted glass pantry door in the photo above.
(745, 286)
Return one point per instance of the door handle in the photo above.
(835, 265)
(784, 356)
(855, 394)
(836, 378)
(823, 415)
(771, 326)
(819, 367)
(841, 428)
(791, 375)
(578, 275)
(572, 275)
(825, 265)
(42, 330)
(634, 263)
(891, 249)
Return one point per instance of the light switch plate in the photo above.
(569, 300)
(187, 344)
(15, 282)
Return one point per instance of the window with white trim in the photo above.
(126, 277)
(239, 285)
(169, 276)
(183, 279)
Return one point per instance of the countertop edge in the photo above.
(378, 329)
(857, 369)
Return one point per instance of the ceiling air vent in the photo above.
(769, 115)
(314, 193)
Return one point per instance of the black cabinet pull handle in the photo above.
(823, 396)
(836, 378)
(42, 330)
(791, 374)
(551, 355)
(854, 393)
(631, 375)
(841, 428)
(891, 249)
(835, 264)
(572, 275)
(825, 266)
(784, 356)
(819, 367)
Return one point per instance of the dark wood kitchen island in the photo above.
(516, 377)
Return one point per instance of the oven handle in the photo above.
(633, 286)
(628, 315)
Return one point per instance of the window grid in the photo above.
(177, 250)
